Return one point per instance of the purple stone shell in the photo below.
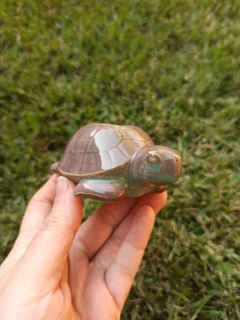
(100, 147)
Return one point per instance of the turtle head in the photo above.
(157, 165)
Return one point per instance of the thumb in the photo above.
(47, 254)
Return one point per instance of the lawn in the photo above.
(170, 67)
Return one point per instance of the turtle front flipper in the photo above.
(107, 191)
(159, 189)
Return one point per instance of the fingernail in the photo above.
(62, 186)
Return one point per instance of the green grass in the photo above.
(171, 67)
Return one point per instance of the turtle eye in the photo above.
(153, 158)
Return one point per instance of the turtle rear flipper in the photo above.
(107, 191)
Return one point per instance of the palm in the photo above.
(96, 301)
(96, 260)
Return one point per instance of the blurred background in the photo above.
(170, 67)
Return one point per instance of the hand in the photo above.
(59, 270)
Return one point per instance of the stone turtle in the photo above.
(109, 162)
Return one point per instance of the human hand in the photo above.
(60, 270)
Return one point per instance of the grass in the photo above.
(171, 67)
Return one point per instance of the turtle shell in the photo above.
(100, 147)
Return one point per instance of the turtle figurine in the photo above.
(109, 162)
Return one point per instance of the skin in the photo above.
(61, 269)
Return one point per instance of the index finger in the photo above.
(96, 230)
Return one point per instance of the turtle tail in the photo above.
(54, 167)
